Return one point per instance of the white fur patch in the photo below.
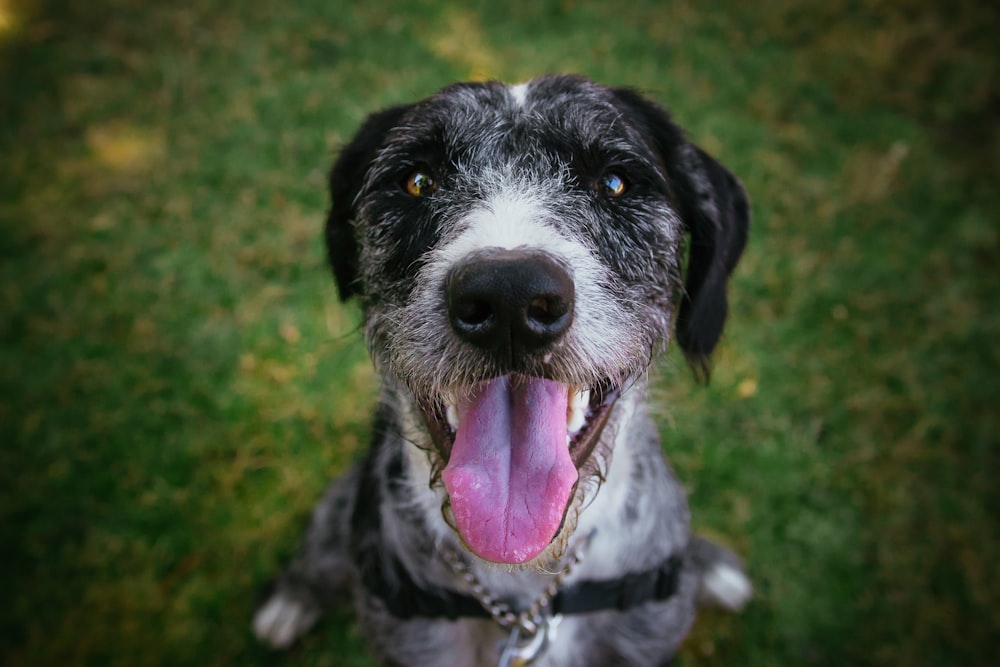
(726, 587)
(282, 620)
(507, 220)
(519, 93)
(604, 502)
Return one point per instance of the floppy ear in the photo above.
(346, 180)
(714, 207)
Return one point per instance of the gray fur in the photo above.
(512, 181)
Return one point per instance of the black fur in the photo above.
(346, 179)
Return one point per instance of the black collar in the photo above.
(404, 599)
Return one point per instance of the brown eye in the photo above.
(611, 184)
(420, 183)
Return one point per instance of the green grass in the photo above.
(178, 383)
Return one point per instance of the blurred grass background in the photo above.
(178, 383)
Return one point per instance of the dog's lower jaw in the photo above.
(589, 504)
(589, 448)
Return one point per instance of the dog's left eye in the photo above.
(420, 183)
(611, 184)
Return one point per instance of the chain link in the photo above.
(501, 612)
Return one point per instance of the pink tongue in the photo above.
(510, 475)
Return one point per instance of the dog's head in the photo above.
(518, 255)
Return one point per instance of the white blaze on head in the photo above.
(519, 93)
(508, 220)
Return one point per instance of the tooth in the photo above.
(451, 412)
(577, 410)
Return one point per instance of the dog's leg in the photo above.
(722, 580)
(321, 571)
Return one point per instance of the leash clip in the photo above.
(525, 644)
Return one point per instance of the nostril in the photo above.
(538, 309)
(546, 310)
(474, 313)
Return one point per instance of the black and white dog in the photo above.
(518, 253)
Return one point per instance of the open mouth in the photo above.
(513, 447)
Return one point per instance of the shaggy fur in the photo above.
(582, 197)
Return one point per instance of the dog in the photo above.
(519, 256)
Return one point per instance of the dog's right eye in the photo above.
(611, 184)
(420, 183)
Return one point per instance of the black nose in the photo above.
(510, 301)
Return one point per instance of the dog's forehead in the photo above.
(521, 118)
(552, 99)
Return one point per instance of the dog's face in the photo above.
(518, 252)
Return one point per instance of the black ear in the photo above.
(346, 180)
(714, 207)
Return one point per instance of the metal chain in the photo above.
(500, 611)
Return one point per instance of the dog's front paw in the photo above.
(283, 618)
